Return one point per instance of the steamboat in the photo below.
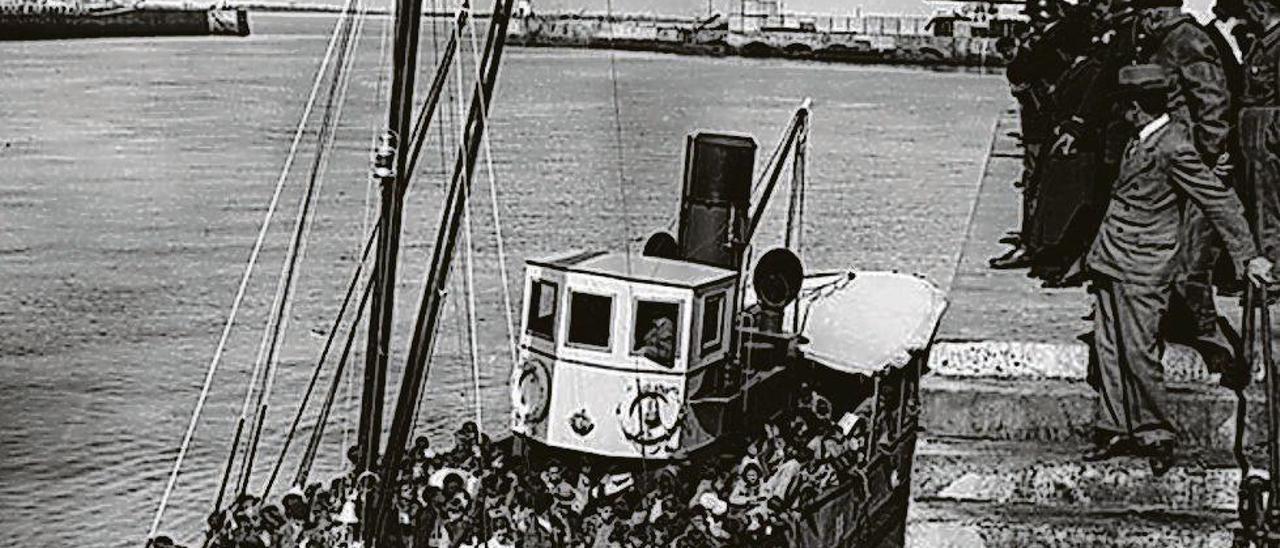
(57, 19)
(636, 374)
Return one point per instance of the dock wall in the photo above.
(872, 39)
(50, 22)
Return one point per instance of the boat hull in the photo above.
(868, 510)
(868, 340)
(53, 24)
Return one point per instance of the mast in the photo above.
(393, 180)
(423, 337)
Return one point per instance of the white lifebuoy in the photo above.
(649, 415)
(530, 393)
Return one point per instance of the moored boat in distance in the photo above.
(53, 20)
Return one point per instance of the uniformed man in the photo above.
(1157, 32)
(1259, 128)
(1133, 262)
(1029, 73)
(1259, 134)
(1199, 97)
(1070, 182)
(1096, 107)
(1231, 37)
(1096, 125)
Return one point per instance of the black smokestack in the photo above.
(716, 197)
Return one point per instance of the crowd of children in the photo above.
(475, 495)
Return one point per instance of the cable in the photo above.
(470, 292)
(287, 285)
(240, 291)
(313, 443)
(617, 125)
(497, 218)
(324, 354)
(468, 257)
(375, 134)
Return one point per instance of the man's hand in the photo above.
(1065, 145)
(1259, 271)
(1223, 168)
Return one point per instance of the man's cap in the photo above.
(1142, 79)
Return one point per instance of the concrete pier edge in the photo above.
(1006, 412)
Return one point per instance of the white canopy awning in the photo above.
(861, 322)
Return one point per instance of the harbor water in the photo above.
(134, 174)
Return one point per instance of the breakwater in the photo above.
(45, 21)
(868, 39)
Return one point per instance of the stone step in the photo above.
(1055, 476)
(1061, 410)
(970, 525)
(1046, 360)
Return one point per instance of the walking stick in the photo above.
(1259, 527)
(1250, 494)
(1273, 421)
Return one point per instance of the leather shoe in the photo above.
(1043, 271)
(1235, 378)
(1216, 358)
(1065, 280)
(1018, 258)
(1011, 239)
(1115, 446)
(1159, 456)
(1061, 282)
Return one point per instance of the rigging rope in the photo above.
(468, 262)
(287, 286)
(266, 349)
(617, 125)
(375, 135)
(470, 291)
(313, 443)
(241, 289)
(448, 96)
(622, 191)
(324, 354)
(497, 218)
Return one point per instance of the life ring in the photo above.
(531, 393)
(652, 415)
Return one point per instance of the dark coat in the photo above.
(1031, 72)
(1231, 67)
(1199, 97)
(1138, 241)
(1071, 185)
(1262, 71)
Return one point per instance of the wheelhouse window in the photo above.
(712, 312)
(590, 320)
(655, 331)
(542, 310)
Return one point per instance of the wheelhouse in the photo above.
(610, 347)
